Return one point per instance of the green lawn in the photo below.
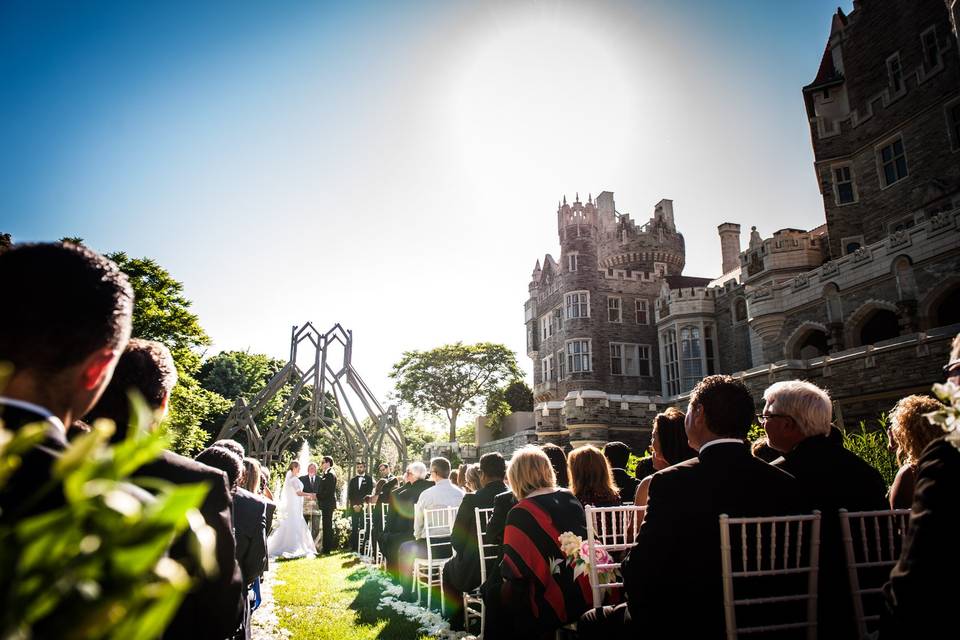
(328, 599)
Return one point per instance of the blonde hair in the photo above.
(473, 477)
(807, 404)
(910, 429)
(529, 470)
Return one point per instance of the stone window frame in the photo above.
(951, 114)
(645, 311)
(567, 305)
(660, 268)
(640, 349)
(561, 363)
(846, 240)
(670, 362)
(547, 370)
(836, 183)
(936, 42)
(618, 307)
(556, 319)
(737, 300)
(878, 153)
(573, 261)
(545, 326)
(894, 73)
(581, 355)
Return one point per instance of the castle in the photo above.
(864, 305)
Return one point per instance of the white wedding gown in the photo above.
(291, 539)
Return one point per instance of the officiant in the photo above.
(311, 485)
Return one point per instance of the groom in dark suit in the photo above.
(311, 484)
(327, 501)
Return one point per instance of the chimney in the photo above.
(729, 245)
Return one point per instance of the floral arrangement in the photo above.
(576, 552)
(949, 417)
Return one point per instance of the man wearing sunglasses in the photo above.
(797, 417)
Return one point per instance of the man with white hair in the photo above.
(399, 526)
(797, 417)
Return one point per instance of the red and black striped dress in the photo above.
(540, 592)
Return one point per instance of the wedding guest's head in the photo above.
(720, 407)
(461, 480)
(618, 453)
(493, 468)
(591, 477)
(558, 459)
(669, 439)
(326, 463)
(794, 411)
(361, 468)
(225, 460)
(251, 475)
(439, 469)
(530, 469)
(232, 445)
(454, 477)
(312, 469)
(416, 471)
(264, 478)
(473, 482)
(145, 367)
(383, 469)
(910, 428)
(65, 320)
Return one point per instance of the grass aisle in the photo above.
(327, 599)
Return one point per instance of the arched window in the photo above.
(851, 247)
(947, 312)
(813, 345)
(881, 325)
(691, 362)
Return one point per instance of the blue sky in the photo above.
(395, 166)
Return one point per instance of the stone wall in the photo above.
(506, 446)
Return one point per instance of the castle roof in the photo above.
(685, 282)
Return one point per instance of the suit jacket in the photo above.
(832, 477)
(400, 515)
(215, 606)
(327, 492)
(464, 568)
(250, 527)
(920, 603)
(359, 488)
(676, 561)
(626, 483)
(20, 497)
(311, 486)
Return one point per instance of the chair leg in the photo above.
(483, 618)
(442, 611)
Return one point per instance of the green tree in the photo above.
(502, 401)
(238, 374)
(519, 396)
(417, 436)
(452, 378)
(72, 239)
(467, 433)
(6, 241)
(161, 312)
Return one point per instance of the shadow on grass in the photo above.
(365, 605)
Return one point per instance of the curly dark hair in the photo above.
(225, 460)
(62, 302)
(618, 453)
(668, 429)
(727, 405)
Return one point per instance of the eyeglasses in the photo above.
(763, 417)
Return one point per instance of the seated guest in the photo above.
(618, 454)
(216, 602)
(473, 483)
(796, 418)
(65, 321)
(762, 449)
(380, 499)
(591, 478)
(918, 605)
(669, 444)
(462, 573)
(249, 511)
(253, 482)
(912, 432)
(265, 482)
(539, 592)
(443, 493)
(676, 561)
(558, 460)
(399, 526)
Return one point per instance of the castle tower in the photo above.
(729, 245)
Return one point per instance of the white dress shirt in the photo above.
(443, 494)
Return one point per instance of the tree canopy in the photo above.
(502, 401)
(452, 378)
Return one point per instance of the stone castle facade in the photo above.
(864, 305)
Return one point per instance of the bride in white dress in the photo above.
(291, 539)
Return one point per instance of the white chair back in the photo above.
(437, 525)
(487, 550)
(771, 547)
(615, 530)
(872, 541)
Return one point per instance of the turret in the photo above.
(729, 245)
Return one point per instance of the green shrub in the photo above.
(97, 567)
(871, 446)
